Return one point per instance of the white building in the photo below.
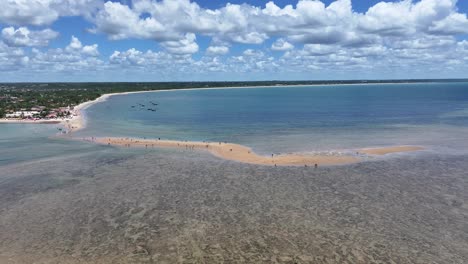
(22, 114)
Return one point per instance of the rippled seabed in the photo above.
(70, 202)
(121, 206)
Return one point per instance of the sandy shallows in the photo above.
(245, 154)
(389, 150)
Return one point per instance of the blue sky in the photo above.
(183, 40)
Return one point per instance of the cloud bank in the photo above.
(307, 38)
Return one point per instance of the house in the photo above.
(38, 108)
(22, 114)
(51, 115)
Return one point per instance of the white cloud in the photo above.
(249, 38)
(12, 58)
(22, 37)
(281, 45)
(75, 45)
(186, 45)
(129, 57)
(405, 18)
(314, 36)
(44, 12)
(158, 63)
(454, 24)
(91, 50)
(73, 58)
(119, 21)
(217, 50)
(308, 22)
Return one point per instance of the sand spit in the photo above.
(78, 122)
(390, 150)
(234, 152)
(239, 153)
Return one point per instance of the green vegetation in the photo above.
(49, 97)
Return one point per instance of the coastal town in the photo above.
(40, 113)
(33, 102)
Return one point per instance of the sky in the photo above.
(239, 40)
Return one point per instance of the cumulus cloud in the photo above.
(281, 45)
(310, 21)
(91, 50)
(76, 46)
(23, 37)
(44, 12)
(312, 35)
(119, 21)
(217, 50)
(12, 58)
(73, 58)
(160, 63)
(453, 24)
(129, 57)
(185, 45)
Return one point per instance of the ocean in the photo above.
(294, 119)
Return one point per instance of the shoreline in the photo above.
(228, 151)
(78, 121)
(244, 154)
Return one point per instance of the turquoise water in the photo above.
(286, 119)
(271, 120)
(25, 142)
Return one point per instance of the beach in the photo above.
(78, 121)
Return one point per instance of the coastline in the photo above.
(227, 151)
(78, 121)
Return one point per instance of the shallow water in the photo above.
(294, 119)
(27, 142)
(118, 205)
(65, 201)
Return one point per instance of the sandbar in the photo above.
(234, 152)
(244, 154)
(389, 150)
